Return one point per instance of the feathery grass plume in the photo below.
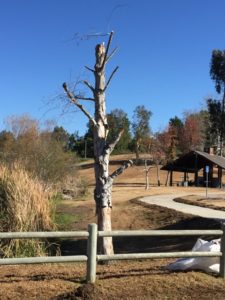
(24, 206)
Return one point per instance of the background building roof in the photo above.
(194, 160)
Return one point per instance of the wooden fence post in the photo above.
(91, 253)
(222, 258)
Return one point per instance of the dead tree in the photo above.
(147, 170)
(102, 148)
(158, 174)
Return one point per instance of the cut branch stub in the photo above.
(89, 69)
(110, 78)
(120, 170)
(104, 197)
(100, 55)
(111, 54)
(115, 142)
(84, 98)
(107, 50)
(89, 86)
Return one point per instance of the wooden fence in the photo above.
(92, 257)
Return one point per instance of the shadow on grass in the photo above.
(140, 245)
(149, 244)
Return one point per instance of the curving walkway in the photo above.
(167, 201)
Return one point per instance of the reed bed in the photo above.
(24, 206)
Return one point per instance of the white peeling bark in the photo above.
(102, 149)
(103, 187)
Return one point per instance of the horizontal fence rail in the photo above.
(42, 260)
(92, 258)
(157, 255)
(122, 233)
(42, 234)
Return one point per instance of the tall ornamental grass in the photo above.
(24, 206)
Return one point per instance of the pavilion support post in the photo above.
(220, 177)
(204, 177)
(196, 178)
(167, 178)
(196, 170)
(171, 178)
(211, 175)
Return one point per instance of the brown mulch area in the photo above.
(141, 279)
(217, 203)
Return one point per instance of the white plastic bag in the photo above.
(207, 264)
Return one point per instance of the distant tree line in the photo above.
(42, 151)
(203, 129)
(52, 152)
(135, 132)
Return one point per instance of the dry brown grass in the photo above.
(24, 206)
(146, 279)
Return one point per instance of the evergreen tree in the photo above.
(141, 127)
(118, 120)
(216, 108)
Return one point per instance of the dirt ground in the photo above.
(141, 279)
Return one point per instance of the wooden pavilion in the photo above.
(194, 162)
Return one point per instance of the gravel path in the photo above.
(167, 201)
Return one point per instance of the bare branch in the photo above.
(120, 170)
(85, 37)
(84, 98)
(89, 69)
(111, 55)
(74, 101)
(89, 85)
(113, 144)
(107, 50)
(110, 78)
(148, 168)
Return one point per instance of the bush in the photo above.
(24, 206)
(74, 187)
(42, 152)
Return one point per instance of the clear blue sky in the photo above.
(164, 54)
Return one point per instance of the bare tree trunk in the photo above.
(103, 187)
(137, 147)
(102, 149)
(146, 180)
(167, 178)
(158, 175)
(147, 170)
(146, 175)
